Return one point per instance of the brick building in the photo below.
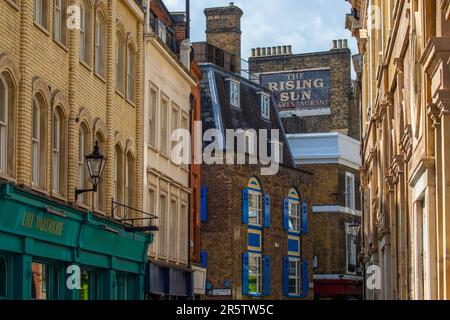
(255, 240)
(313, 93)
(62, 91)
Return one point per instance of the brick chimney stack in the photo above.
(223, 29)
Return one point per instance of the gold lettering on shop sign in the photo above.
(42, 223)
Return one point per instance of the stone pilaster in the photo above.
(25, 100)
(72, 168)
(110, 95)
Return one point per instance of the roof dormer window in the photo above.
(235, 94)
(264, 102)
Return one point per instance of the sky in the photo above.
(307, 25)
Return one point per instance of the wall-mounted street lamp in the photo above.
(95, 164)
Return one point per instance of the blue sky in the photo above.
(307, 25)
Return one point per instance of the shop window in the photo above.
(3, 277)
(123, 286)
(90, 286)
(45, 281)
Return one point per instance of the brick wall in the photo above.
(344, 116)
(224, 237)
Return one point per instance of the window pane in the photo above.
(162, 225)
(3, 125)
(173, 233)
(255, 208)
(152, 117)
(255, 273)
(40, 283)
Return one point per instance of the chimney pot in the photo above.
(253, 52)
(279, 50)
(345, 43)
(263, 52)
(289, 49)
(258, 52)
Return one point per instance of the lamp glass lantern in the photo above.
(95, 163)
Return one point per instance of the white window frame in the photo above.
(82, 32)
(255, 211)
(235, 94)
(4, 130)
(296, 276)
(162, 225)
(256, 271)
(58, 20)
(38, 12)
(350, 193)
(351, 255)
(131, 72)
(36, 141)
(294, 215)
(164, 123)
(153, 116)
(265, 105)
(56, 153)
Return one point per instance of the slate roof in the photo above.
(217, 112)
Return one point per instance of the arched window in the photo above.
(3, 277)
(85, 32)
(83, 149)
(118, 179)
(7, 124)
(4, 106)
(100, 43)
(99, 196)
(60, 21)
(119, 61)
(129, 181)
(294, 211)
(39, 146)
(59, 152)
(131, 72)
(255, 203)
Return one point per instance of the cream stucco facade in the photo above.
(166, 185)
(405, 76)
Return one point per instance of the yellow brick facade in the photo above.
(37, 63)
